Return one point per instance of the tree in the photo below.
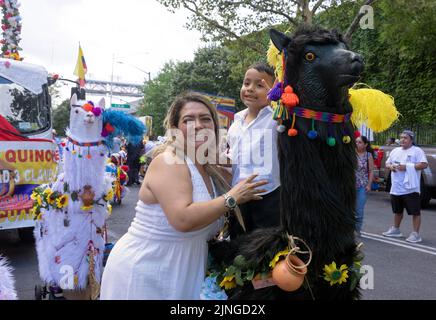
(61, 117)
(226, 20)
(158, 95)
(210, 72)
(399, 53)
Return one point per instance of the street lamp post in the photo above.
(133, 66)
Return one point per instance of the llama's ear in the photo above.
(102, 103)
(73, 100)
(279, 39)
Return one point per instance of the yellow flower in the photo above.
(86, 208)
(34, 195)
(49, 198)
(335, 276)
(274, 261)
(109, 195)
(62, 202)
(109, 209)
(39, 200)
(229, 282)
(47, 191)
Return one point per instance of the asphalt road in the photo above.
(402, 270)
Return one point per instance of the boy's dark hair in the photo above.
(263, 67)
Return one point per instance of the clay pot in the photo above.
(88, 196)
(289, 273)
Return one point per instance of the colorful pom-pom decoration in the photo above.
(331, 141)
(346, 139)
(88, 156)
(87, 107)
(289, 98)
(96, 111)
(356, 134)
(276, 92)
(104, 133)
(281, 128)
(312, 134)
(109, 128)
(292, 132)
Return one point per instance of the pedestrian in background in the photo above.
(406, 163)
(364, 177)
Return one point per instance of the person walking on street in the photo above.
(364, 177)
(405, 164)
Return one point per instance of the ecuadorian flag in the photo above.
(81, 68)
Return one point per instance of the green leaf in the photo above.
(250, 274)
(75, 196)
(238, 278)
(239, 261)
(353, 282)
(231, 271)
(66, 187)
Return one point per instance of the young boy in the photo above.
(253, 149)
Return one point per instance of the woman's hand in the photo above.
(368, 188)
(246, 190)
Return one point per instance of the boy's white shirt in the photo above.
(253, 148)
(403, 182)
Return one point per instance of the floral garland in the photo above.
(241, 271)
(11, 26)
(46, 198)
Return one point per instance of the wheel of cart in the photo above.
(45, 292)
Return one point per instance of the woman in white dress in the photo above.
(164, 253)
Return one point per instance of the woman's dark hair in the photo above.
(263, 67)
(368, 145)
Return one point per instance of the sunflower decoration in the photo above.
(277, 257)
(335, 275)
(229, 282)
(62, 201)
(109, 195)
(51, 197)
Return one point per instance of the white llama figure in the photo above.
(69, 232)
(7, 282)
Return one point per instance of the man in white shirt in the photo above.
(253, 149)
(406, 163)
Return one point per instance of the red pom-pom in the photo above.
(292, 132)
(356, 134)
(109, 128)
(289, 98)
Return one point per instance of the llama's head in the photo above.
(86, 120)
(319, 65)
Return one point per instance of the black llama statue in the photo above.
(317, 167)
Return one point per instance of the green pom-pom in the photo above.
(331, 141)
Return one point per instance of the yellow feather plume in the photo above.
(373, 108)
(274, 58)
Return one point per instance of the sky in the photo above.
(142, 34)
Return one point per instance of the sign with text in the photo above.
(24, 165)
(121, 107)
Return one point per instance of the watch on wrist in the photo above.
(230, 202)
